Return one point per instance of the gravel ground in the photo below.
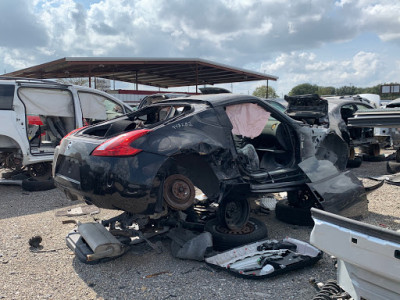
(55, 273)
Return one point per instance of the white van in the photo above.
(36, 114)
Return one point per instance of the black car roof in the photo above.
(215, 100)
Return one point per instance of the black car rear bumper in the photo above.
(131, 182)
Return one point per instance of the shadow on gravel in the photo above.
(16, 202)
(143, 274)
(385, 221)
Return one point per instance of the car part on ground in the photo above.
(354, 163)
(91, 242)
(225, 238)
(393, 167)
(28, 183)
(149, 161)
(34, 185)
(368, 256)
(266, 258)
(330, 290)
(291, 214)
(187, 244)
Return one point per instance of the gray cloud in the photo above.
(20, 27)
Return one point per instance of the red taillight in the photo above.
(71, 132)
(120, 145)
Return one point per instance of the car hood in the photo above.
(306, 106)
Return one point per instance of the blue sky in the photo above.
(324, 42)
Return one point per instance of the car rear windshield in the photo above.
(6, 96)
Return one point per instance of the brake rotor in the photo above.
(179, 192)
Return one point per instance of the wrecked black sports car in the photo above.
(230, 147)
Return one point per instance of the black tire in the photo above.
(374, 149)
(354, 163)
(224, 239)
(393, 167)
(33, 185)
(372, 158)
(290, 214)
(397, 157)
(233, 213)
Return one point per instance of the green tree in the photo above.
(261, 92)
(346, 90)
(304, 89)
(326, 90)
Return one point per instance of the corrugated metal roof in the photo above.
(158, 72)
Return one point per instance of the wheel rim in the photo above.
(179, 192)
(246, 229)
(233, 214)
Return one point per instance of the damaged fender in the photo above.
(336, 192)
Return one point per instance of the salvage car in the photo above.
(148, 163)
(36, 114)
(388, 117)
(334, 112)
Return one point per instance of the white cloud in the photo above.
(307, 67)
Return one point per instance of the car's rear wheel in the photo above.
(179, 192)
(224, 238)
(233, 213)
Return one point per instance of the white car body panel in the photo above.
(368, 256)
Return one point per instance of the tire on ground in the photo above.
(354, 163)
(393, 167)
(224, 239)
(33, 185)
(290, 214)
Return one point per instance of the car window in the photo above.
(277, 105)
(6, 96)
(362, 107)
(96, 107)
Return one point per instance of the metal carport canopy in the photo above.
(157, 72)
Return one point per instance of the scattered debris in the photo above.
(35, 241)
(267, 202)
(266, 258)
(78, 211)
(188, 245)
